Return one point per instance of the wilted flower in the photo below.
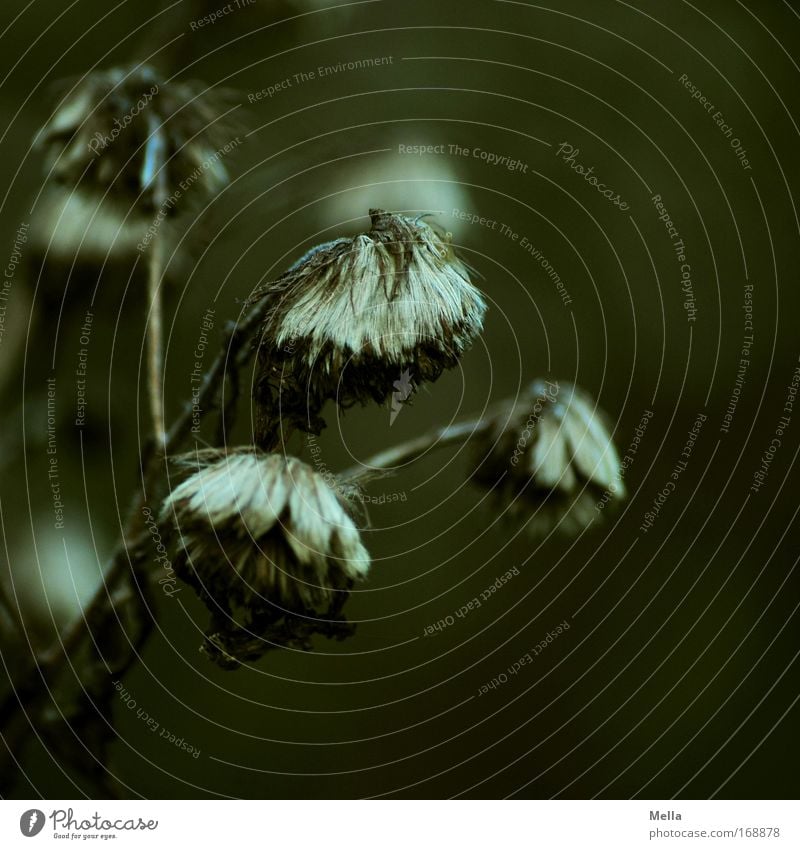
(264, 533)
(550, 458)
(353, 314)
(126, 127)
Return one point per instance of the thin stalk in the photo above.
(407, 452)
(155, 344)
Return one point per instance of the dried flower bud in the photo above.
(264, 533)
(353, 314)
(550, 458)
(126, 127)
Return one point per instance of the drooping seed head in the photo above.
(550, 458)
(353, 314)
(130, 129)
(264, 533)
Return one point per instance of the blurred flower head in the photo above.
(352, 314)
(129, 128)
(264, 533)
(550, 458)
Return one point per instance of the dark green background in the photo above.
(678, 673)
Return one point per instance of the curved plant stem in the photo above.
(407, 452)
(155, 343)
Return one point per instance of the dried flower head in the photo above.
(264, 533)
(352, 314)
(550, 458)
(127, 128)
